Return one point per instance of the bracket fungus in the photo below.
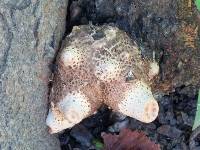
(100, 64)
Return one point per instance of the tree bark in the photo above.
(30, 32)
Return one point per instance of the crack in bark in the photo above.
(52, 42)
(35, 31)
(12, 11)
(36, 5)
(9, 38)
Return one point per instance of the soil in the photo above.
(170, 30)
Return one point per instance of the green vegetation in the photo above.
(98, 144)
(197, 2)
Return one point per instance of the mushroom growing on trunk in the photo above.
(100, 64)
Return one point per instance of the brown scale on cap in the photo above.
(93, 68)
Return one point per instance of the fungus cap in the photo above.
(95, 64)
(111, 33)
(139, 103)
(74, 106)
(69, 111)
(56, 122)
(107, 70)
(71, 56)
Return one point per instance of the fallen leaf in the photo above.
(128, 140)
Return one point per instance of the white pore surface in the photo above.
(74, 107)
(71, 56)
(107, 70)
(134, 102)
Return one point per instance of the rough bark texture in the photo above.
(30, 32)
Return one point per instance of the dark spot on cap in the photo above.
(98, 35)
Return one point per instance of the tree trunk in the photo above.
(30, 32)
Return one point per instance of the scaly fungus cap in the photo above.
(69, 111)
(93, 67)
(133, 99)
(139, 103)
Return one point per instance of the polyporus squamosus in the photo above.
(100, 65)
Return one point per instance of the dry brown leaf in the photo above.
(128, 140)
